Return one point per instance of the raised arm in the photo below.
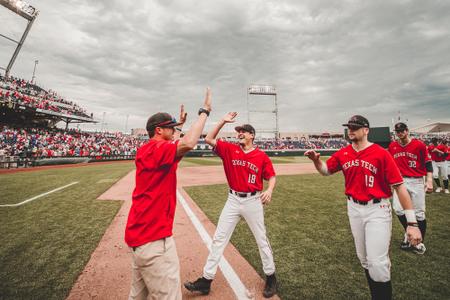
(190, 139)
(211, 136)
(183, 117)
(321, 167)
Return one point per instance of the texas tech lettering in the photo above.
(360, 163)
(243, 163)
(405, 154)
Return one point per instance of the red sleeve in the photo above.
(333, 164)
(426, 154)
(390, 148)
(165, 153)
(392, 173)
(221, 148)
(268, 171)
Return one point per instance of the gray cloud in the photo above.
(328, 59)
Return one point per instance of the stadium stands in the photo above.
(22, 92)
(39, 143)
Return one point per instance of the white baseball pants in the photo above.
(252, 210)
(440, 169)
(371, 227)
(416, 190)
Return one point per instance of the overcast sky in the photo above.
(328, 59)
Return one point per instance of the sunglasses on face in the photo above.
(165, 123)
(399, 131)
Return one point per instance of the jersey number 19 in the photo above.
(369, 180)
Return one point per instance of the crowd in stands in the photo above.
(41, 143)
(25, 93)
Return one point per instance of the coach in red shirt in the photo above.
(156, 269)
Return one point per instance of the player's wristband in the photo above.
(413, 224)
(410, 216)
(202, 110)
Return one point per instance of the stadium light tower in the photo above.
(34, 71)
(27, 12)
(271, 92)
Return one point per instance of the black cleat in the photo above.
(201, 285)
(405, 246)
(271, 286)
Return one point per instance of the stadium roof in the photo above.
(436, 127)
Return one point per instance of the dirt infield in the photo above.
(108, 273)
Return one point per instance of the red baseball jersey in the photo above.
(245, 171)
(368, 173)
(436, 156)
(154, 197)
(410, 158)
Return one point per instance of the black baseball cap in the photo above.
(400, 126)
(161, 119)
(246, 127)
(357, 121)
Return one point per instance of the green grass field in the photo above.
(46, 243)
(314, 252)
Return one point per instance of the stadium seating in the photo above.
(28, 94)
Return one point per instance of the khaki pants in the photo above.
(156, 271)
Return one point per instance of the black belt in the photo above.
(242, 195)
(374, 201)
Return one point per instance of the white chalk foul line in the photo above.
(233, 279)
(39, 196)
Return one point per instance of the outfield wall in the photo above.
(297, 152)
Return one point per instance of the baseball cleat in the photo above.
(419, 249)
(271, 286)
(447, 191)
(438, 190)
(201, 285)
(405, 246)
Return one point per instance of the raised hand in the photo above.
(207, 103)
(183, 114)
(312, 155)
(229, 117)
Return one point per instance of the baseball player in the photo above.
(370, 172)
(245, 168)
(148, 233)
(438, 153)
(414, 162)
